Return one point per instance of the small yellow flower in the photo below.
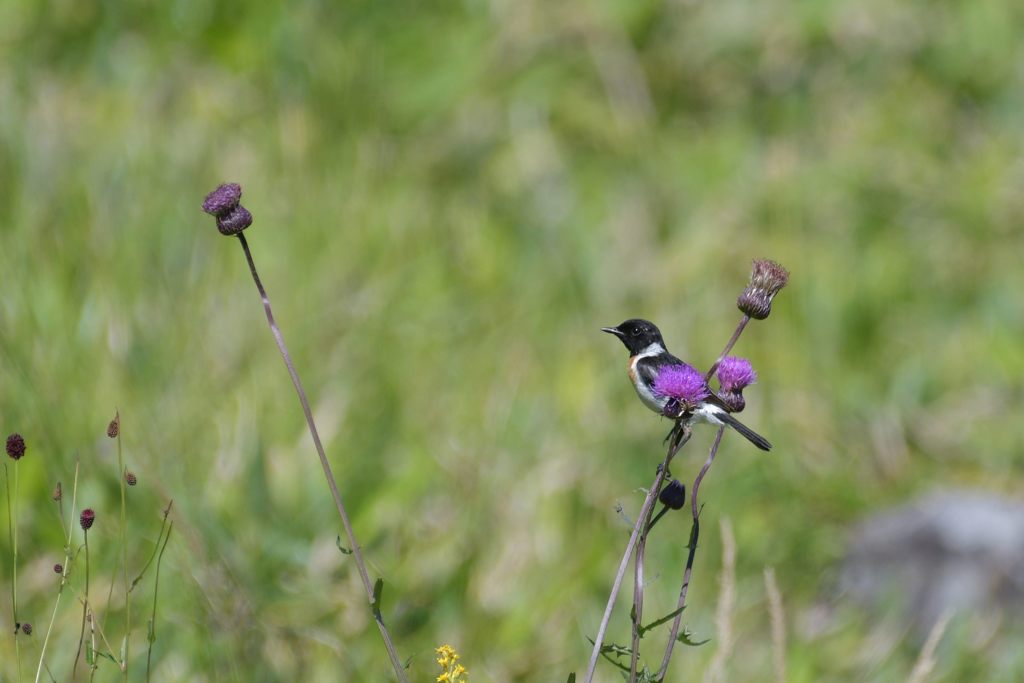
(450, 671)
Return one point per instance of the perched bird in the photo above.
(670, 387)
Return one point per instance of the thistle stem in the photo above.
(694, 535)
(728, 347)
(328, 473)
(645, 512)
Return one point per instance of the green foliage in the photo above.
(450, 200)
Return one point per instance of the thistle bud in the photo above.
(232, 217)
(58, 568)
(673, 496)
(15, 446)
(766, 279)
(87, 518)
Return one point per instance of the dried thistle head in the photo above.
(232, 217)
(767, 278)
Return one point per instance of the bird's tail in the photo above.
(747, 433)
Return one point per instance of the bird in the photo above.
(649, 360)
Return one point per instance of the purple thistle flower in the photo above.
(681, 382)
(735, 373)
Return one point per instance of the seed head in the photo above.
(86, 519)
(15, 446)
(58, 493)
(766, 279)
(26, 628)
(58, 568)
(673, 496)
(232, 217)
(130, 478)
(114, 428)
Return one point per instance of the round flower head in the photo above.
(735, 373)
(15, 446)
(86, 519)
(26, 628)
(683, 383)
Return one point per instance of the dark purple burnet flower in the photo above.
(87, 518)
(15, 446)
(734, 375)
(767, 278)
(683, 385)
(232, 217)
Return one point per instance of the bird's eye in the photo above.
(635, 332)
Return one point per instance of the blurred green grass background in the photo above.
(450, 199)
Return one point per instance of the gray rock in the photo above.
(952, 550)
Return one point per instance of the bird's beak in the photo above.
(612, 330)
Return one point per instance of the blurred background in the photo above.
(450, 200)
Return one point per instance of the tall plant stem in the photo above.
(728, 347)
(64, 573)
(124, 554)
(694, 535)
(12, 530)
(641, 523)
(328, 473)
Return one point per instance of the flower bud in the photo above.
(673, 496)
(766, 279)
(130, 478)
(58, 568)
(26, 628)
(114, 428)
(232, 217)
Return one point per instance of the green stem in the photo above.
(69, 531)
(151, 636)
(124, 555)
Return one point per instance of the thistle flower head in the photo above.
(683, 383)
(766, 279)
(87, 518)
(673, 496)
(735, 373)
(15, 446)
(232, 217)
